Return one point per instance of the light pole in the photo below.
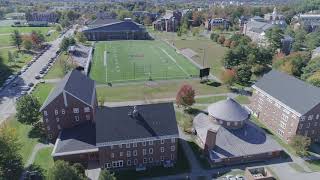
(204, 54)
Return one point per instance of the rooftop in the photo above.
(120, 123)
(294, 93)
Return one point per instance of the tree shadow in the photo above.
(213, 83)
(37, 131)
(194, 111)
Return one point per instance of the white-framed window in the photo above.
(150, 160)
(150, 150)
(284, 117)
(135, 152)
(129, 162)
(317, 116)
(144, 143)
(162, 141)
(310, 117)
(56, 112)
(135, 161)
(86, 109)
(76, 110)
(283, 125)
(161, 158)
(107, 165)
(112, 155)
(76, 118)
(63, 111)
(303, 118)
(144, 160)
(236, 123)
(144, 152)
(150, 143)
(134, 144)
(88, 117)
(286, 111)
(128, 153)
(57, 119)
(48, 128)
(45, 113)
(280, 132)
(120, 145)
(128, 145)
(58, 126)
(46, 119)
(121, 154)
(173, 140)
(117, 164)
(162, 149)
(173, 148)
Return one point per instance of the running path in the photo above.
(35, 150)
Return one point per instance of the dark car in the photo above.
(44, 68)
(37, 77)
(30, 84)
(41, 72)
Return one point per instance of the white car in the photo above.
(239, 177)
(23, 93)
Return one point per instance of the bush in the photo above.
(221, 39)
(227, 43)
(301, 144)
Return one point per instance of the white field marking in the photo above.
(147, 78)
(164, 51)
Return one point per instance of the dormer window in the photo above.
(76, 110)
(86, 109)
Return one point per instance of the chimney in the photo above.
(210, 140)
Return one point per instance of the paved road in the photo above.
(8, 94)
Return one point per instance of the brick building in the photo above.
(169, 22)
(287, 105)
(69, 104)
(217, 23)
(129, 137)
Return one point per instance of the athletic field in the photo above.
(121, 61)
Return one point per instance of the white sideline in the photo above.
(164, 51)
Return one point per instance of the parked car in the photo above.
(30, 84)
(23, 93)
(25, 88)
(14, 84)
(42, 81)
(44, 68)
(37, 77)
(239, 177)
(41, 72)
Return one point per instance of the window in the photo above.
(144, 143)
(173, 148)
(144, 160)
(88, 117)
(63, 111)
(308, 125)
(283, 125)
(172, 157)
(112, 155)
(128, 153)
(111, 147)
(45, 113)
(286, 111)
(56, 112)
(312, 132)
(150, 150)
(46, 119)
(150, 160)
(236, 123)
(50, 136)
(173, 140)
(76, 118)
(162, 141)
(135, 161)
(228, 123)
(150, 143)
(48, 127)
(116, 164)
(303, 118)
(162, 149)
(57, 119)
(59, 127)
(144, 152)
(121, 154)
(76, 110)
(86, 109)
(317, 116)
(280, 132)
(134, 145)
(161, 158)
(107, 165)
(120, 145)
(128, 145)
(135, 152)
(284, 117)
(129, 162)
(310, 117)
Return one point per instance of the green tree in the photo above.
(301, 144)
(274, 36)
(299, 40)
(28, 109)
(58, 28)
(106, 175)
(65, 43)
(81, 37)
(11, 165)
(64, 171)
(11, 58)
(243, 74)
(27, 44)
(16, 39)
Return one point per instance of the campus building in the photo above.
(309, 22)
(217, 23)
(111, 29)
(227, 136)
(169, 22)
(128, 137)
(48, 17)
(287, 105)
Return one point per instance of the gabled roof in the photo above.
(294, 93)
(120, 26)
(76, 84)
(153, 120)
(102, 21)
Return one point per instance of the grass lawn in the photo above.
(313, 165)
(44, 159)
(9, 29)
(182, 166)
(296, 167)
(5, 41)
(25, 140)
(56, 71)
(213, 53)
(118, 61)
(145, 91)
(209, 100)
(242, 99)
(42, 91)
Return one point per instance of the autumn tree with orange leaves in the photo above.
(185, 96)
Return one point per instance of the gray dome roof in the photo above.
(228, 110)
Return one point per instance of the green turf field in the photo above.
(120, 61)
